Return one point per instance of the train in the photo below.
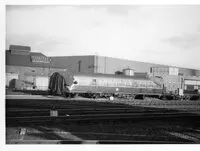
(103, 85)
(123, 86)
(95, 85)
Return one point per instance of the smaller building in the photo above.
(32, 68)
(174, 77)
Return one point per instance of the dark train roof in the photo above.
(113, 76)
(32, 59)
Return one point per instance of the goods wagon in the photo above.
(27, 82)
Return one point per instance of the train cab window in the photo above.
(94, 81)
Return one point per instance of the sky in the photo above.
(162, 34)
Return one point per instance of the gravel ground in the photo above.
(185, 105)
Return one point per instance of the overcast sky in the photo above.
(157, 34)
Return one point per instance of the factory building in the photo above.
(99, 64)
(108, 65)
(35, 68)
(172, 77)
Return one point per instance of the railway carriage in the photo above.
(104, 85)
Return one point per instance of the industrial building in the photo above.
(99, 64)
(34, 67)
(108, 65)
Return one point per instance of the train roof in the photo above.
(112, 76)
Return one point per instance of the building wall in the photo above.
(165, 70)
(171, 82)
(27, 60)
(20, 70)
(111, 65)
(108, 65)
(84, 64)
(160, 70)
(187, 72)
(27, 73)
(198, 73)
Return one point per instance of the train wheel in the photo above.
(72, 95)
(66, 95)
(140, 97)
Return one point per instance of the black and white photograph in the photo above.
(102, 74)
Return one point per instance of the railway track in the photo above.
(36, 111)
(62, 104)
(111, 115)
(28, 113)
(77, 111)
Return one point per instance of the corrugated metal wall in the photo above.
(111, 65)
(31, 70)
(84, 64)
